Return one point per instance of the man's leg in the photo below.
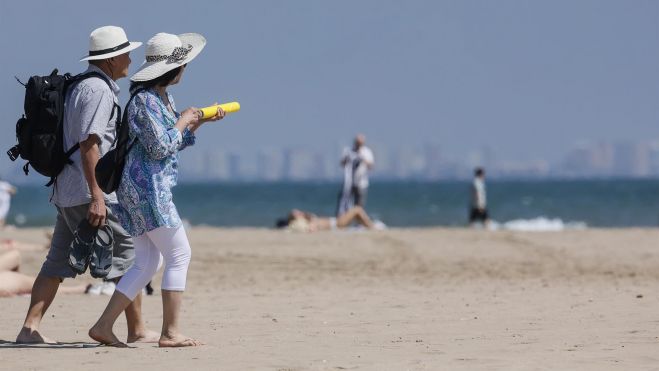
(43, 293)
(54, 269)
(360, 196)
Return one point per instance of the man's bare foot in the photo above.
(147, 336)
(178, 341)
(29, 336)
(105, 337)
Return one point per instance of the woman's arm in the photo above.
(146, 121)
(189, 139)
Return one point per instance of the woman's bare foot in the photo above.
(147, 337)
(105, 337)
(29, 336)
(178, 341)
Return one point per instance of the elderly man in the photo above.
(89, 119)
(356, 164)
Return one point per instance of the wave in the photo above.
(540, 224)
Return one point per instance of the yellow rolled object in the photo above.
(211, 111)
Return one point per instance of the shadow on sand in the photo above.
(59, 345)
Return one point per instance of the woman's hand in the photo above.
(218, 116)
(188, 118)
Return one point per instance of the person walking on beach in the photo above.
(478, 212)
(145, 206)
(6, 192)
(88, 120)
(356, 162)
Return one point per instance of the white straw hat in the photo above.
(165, 52)
(107, 42)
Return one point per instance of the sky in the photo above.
(528, 79)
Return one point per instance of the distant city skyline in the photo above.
(426, 163)
(524, 79)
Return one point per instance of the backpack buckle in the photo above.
(13, 153)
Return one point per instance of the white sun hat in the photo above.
(107, 42)
(165, 52)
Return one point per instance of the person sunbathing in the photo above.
(303, 221)
(10, 244)
(14, 283)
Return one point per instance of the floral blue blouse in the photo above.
(144, 194)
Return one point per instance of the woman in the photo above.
(302, 221)
(145, 207)
(14, 283)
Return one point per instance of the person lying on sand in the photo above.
(9, 244)
(14, 283)
(303, 221)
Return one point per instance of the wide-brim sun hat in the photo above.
(107, 42)
(165, 52)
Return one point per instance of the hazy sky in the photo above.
(526, 78)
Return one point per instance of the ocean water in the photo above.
(529, 205)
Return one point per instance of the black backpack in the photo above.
(110, 167)
(40, 131)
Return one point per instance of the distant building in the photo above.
(433, 159)
(631, 160)
(270, 165)
(299, 164)
(215, 165)
(588, 160)
(234, 167)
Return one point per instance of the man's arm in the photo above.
(90, 155)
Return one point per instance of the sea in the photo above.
(535, 205)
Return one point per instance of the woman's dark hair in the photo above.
(282, 223)
(162, 80)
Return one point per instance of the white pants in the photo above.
(168, 244)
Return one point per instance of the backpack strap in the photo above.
(74, 80)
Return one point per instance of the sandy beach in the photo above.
(402, 299)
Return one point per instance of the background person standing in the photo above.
(6, 191)
(356, 162)
(478, 211)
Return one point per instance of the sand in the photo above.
(408, 299)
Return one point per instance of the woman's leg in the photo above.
(358, 214)
(146, 262)
(175, 249)
(10, 261)
(13, 283)
(15, 245)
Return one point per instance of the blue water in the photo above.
(598, 203)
